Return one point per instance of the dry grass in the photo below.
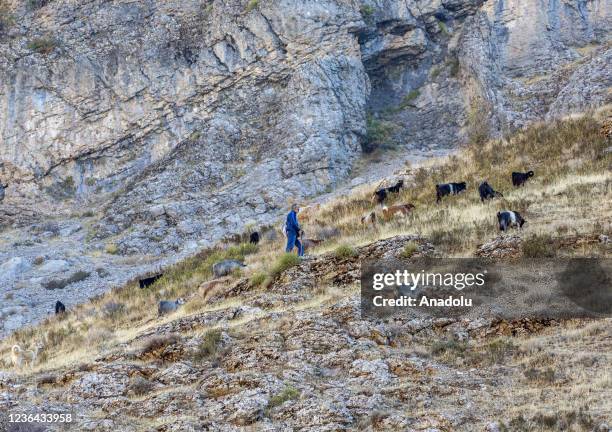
(569, 196)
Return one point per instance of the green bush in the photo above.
(410, 249)
(285, 262)
(252, 4)
(497, 350)
(444, 347)
(42, 45)
(454, 66)
(288, 393)
(409, 98)
(443, 28)
(209, 345)
(345, 251)
(258, 279)
(111, 248)
(379, 134)
(367, 12)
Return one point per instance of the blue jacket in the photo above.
(292, 223)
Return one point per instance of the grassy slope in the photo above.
(570, 196)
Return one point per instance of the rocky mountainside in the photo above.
(298, 355)
(188, 120)
(145, 130)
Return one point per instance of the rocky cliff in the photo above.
(187, 120)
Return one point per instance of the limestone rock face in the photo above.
(188, 120)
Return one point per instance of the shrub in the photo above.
(111, 248)
(367, 12)
(345, 251)
(209, 345)
(285, 262)
(443, 28)
(156, 343)
(42, 45)
(257, 279)
(409, 98)
(538, 246)
(252, 4)
(140, 386)
(410, 249)
(288, 393)
(498, 350)
(378, 135)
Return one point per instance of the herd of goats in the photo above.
(506, 219)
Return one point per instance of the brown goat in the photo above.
(401, 210)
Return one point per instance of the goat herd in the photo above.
(506, 219)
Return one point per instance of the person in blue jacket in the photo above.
(293, 231)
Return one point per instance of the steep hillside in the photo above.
(283, 345)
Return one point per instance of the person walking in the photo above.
(293, 229)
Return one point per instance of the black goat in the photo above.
(487, 192)
(147, 282)
(519, 178)
(449, 189)
(59, 308)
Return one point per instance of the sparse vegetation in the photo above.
(288, 393)
(43, 45)
(111, 248)
(208, 347)
(140, 386)
(258, 279)
(252, 4)
(379, 133)
(539, 246)
(112, 310)
(36, 4)
(345, 251)
(409, 98)
(157, 343)
(443, 28)
(410, 249)
(285, 262)
(569, 159)
(62, 189)
(454, 66)
(367, 12)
